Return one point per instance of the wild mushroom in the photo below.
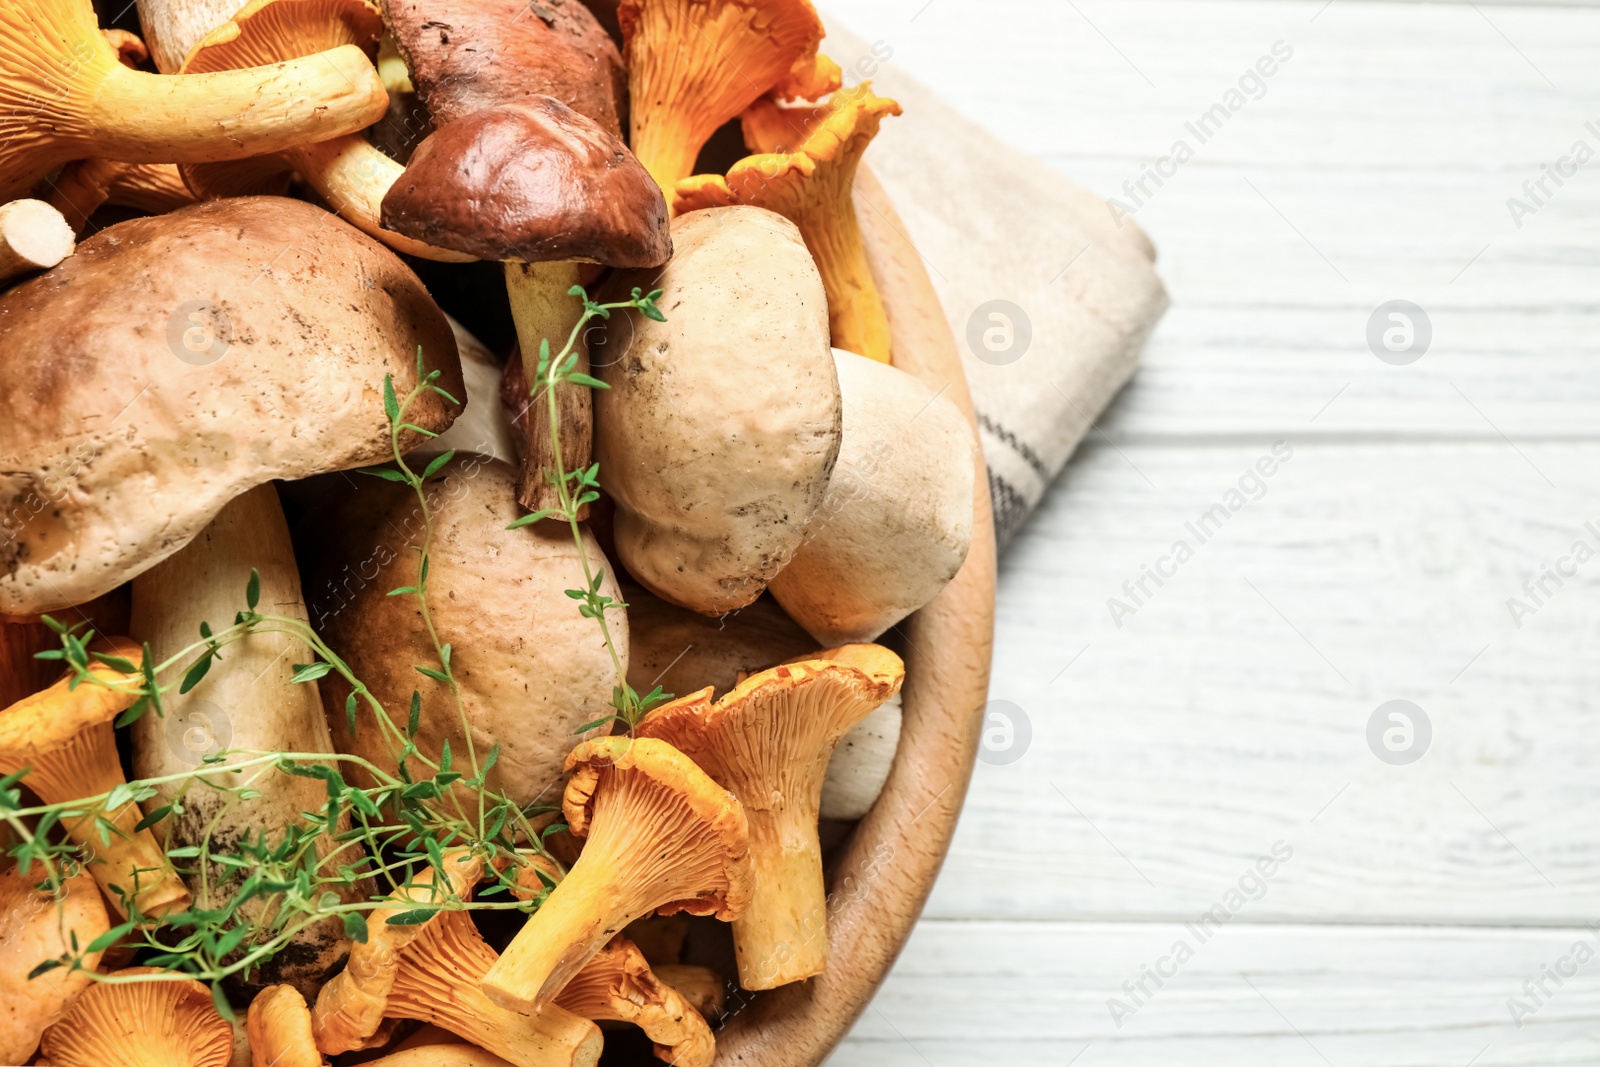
(83, 187)
(65, 95)
(529, 183)
(38, 927)
(63, 738)
(702, 987)
(246, 702)
(170, 1022)
(897, 521)
(532, 671)
(813, 186)
(467, 56)
(175, 362)
(661, 836)
(173, 27)
(279, 1025)
(683, 652)
(484, 428)
(431, 971)
(347, 172)
(861, 763)
(33, 237)
(617, 985)
(696, 64)
(721, 425)
(768, 743)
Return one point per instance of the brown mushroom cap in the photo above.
(684, 652)
(617, 985)
(768, 742)
(533, 181)
(36, 928)
(532, 670)
(167, 1023)
(175, 362)
(470, 55)
(661, 836)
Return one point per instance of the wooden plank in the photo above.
(1369, 170)
(1231, 707)
(1008, 993)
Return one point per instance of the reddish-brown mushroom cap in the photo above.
(470, 55)
(533, 181)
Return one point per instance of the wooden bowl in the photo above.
(881, 878)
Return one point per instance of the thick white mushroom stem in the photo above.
(353, 177)
(33, 236)
(246, 702)
(544, 310)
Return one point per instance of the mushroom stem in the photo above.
(173, 27)
(447, 993)
(783, 938)
(33, 236)
(353, 177)
(83, 187)
(544, 310)
(209, 118)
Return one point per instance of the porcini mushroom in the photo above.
(65, 95)
(897, 521)
(33, 236)
(63, 738)
(696, 64)
(683, 651)
(484, 428)
(169, 1022)
(617, 985)
(467, 56)
(176, 361)
(532, 671)
(39, 927)
(721, 425)
(431, 971)
(768, 743)
(83, 187)
(661, 836)
(813, 186)
(347, 172)
(529, 183)
(247, 702)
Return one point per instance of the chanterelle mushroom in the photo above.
(279, 1025)
(617, 985)
(170, 1022)
(64, 737)
(661, 835)
(532, 670)
(897, 521)
(431, 971)
(39, 927)
(65, 95)
(82, 187)
(768, 743)
(721, 425)
(696, 64)
(528, 183)
(468, 56)
(174, 362)
(812, 185)
(347, 172)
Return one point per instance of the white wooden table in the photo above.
(1230, 712)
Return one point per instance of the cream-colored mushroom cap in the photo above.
(897, 521)
(721, 424)
(175, 362)
(532, 670)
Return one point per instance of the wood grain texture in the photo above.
(882, 876)
(1230, 712)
